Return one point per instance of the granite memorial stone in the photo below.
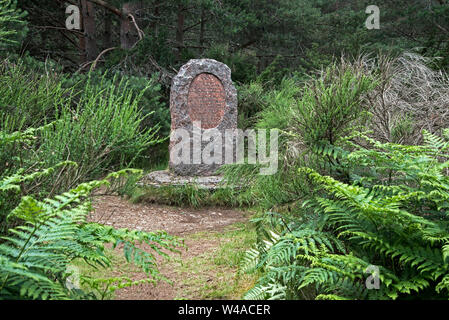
(203, 104)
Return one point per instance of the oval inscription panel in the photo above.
(206, 101)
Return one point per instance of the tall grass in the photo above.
(102, 133)
(97, 124)
(28, 99)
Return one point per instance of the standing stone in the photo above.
(203, 102)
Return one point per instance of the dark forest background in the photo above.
(262, 42)
(248, 35)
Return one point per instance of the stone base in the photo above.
(166, 178)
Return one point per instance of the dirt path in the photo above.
(186, 223)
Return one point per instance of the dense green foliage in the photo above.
(36, 255)
(310, 116)
(363, 150)
(106, 113)
(56, 134)
(392, 215)
(42, 232)
(343, 203)
(248, 35)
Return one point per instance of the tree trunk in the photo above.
(107, 30)
(202, 27)
(180, 31)
(128, 31)
(88, 19)
(155, 25)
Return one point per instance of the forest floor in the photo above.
(207, 268)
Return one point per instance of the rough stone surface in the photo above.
(166, 178)
(202, 91)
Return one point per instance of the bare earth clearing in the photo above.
(191, 272)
